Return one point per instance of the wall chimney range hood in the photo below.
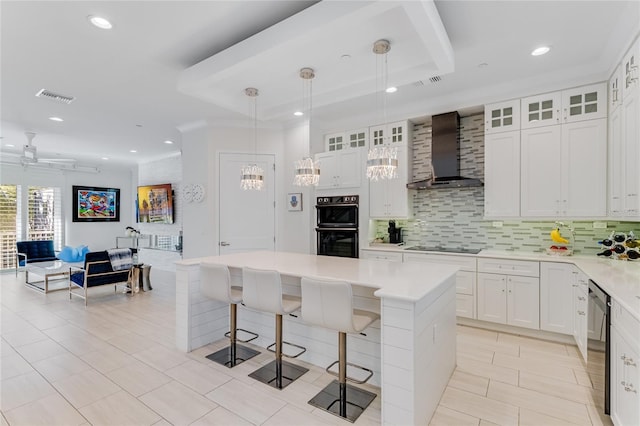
(444, 156)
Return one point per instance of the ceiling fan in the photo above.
(30, 153)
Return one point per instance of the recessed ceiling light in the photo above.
(483, 65)
(298, 113)
(345, 57)
(540, 50)
(10, 145)
(133, 151)
(56, 119)
(105, 158)
(100, 22)
(168, 142)
(391, 89)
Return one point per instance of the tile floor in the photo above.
(115, 363)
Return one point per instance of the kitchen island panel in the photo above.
(418, 299)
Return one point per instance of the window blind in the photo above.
(8, 225)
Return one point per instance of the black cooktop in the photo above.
(445, 249)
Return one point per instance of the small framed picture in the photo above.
(294, 202)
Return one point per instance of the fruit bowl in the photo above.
(559, 251)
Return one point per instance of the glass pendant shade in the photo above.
(382, 163)
(307, 172)
(382, 160)
(252, 177)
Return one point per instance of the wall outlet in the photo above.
(599, 225)
(497, 224)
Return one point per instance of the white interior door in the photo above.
(247, 218)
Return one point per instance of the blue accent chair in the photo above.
(34, 251)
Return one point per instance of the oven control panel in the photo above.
(342, 199)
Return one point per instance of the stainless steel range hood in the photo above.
(444, 156)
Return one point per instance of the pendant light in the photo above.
(252, 175)
(382, 160)
(307, 172)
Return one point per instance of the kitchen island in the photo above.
(414, 342)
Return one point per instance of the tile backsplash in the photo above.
(454, 217)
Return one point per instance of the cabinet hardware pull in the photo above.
(629, 361)
(629, 389)
(581, 313)
(581, 298)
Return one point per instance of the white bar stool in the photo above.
(262, 290)
(215, 283)
(329, 303)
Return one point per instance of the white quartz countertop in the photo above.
(404, 281)
(620, 279)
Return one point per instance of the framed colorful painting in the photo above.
(93, 204)
(155, 204)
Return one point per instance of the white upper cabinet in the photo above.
(615, 90)
(564, 170)
(502, 174)
(502, 117)
(345, 140)
(566, 106)
(390, 134)
(584, 103)
(541, 110)
(630, 72)
(389, 198)
(624, 134)
(334, 142)
(584, 167)
(541, 171)
(340, 169)
(357, 138)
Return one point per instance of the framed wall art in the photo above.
(294, 202)
(93, 204)
(155, 204)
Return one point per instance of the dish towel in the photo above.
(120, 259)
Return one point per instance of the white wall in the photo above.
(200, 152)
(96, 235)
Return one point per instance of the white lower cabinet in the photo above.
(381, 255)
(625, 367)
(465, 278)
(580, 309)
(507, 298)
(556, 295)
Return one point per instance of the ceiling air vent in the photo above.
(44, 93)
(435, 79)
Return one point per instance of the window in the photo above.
(8, 225)
(44, 215)
(43, 218)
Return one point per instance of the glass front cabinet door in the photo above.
(541, 110)
(584, 103)
(502, 116)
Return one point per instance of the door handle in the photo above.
(224, 243)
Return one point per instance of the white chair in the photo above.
(329, 304)
(262, 290)
(215, 283)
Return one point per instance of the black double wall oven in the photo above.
(337, 225)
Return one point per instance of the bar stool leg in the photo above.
(233, 354)
(279, 351)
(342, 372)
(340, 398)
(278, 373)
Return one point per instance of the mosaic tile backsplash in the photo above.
(454, 217)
